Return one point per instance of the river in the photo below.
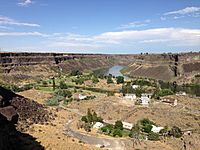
(114, 70)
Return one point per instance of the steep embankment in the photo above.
(17, 67)
(20, 112)
(169, 67)
(162, 72)
(85, 64)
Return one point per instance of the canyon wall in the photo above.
(166, 66)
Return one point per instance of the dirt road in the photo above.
(112, 144)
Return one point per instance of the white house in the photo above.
(135, 86)
(181, 93)
(144, 100)
(156, 129)
(147, 95)
(130, 96)
(127, 125)
(169, 100)
(98, 125)
(82, 97)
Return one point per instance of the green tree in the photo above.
(63, 85)
(119, 125)
(109, 80)
(120, 79)
(89, 116)
(84, 118)
(54, 84)
(146, 125)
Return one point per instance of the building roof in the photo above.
(98, 125)
(156, 129)
(168, 99)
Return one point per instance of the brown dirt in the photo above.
(50, 135)
(185, 115)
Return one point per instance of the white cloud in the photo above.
(158, 37)
(185, 11)
(9, 21)
(25, 3)
(23, 34)
(5, 28)
(134, 24)
(166, 36)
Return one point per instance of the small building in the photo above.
(98, 125)
(130, 96)
(127, 125)
(135, 86)
(169, 100)
(156, 129)
(181, 93)
(82, 97)
(145, 99)
(149, 95)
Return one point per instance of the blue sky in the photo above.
(100, 26)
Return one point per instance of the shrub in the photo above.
(164, 92)
(120, 79)
(54, 101)
(87, 127)
(44, 83)
(176, 132)
(95, 79)
(153, 136)
(109, 80)
(75, 73)
(63, 85)
(84, 118)
(63, 92)
(135, 131)
(107, 129)
(117, 132)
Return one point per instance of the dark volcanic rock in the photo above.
(29, 111)
(9, 113)
(10, 138)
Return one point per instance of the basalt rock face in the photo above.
(168, 67)
(29, 111)
(9, 60)
(17, 67)
(10, 138)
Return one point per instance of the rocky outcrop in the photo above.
(34, 66)
(10, 138)
(29, 111)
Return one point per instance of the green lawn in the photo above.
(46, 89)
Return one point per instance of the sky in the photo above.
(100, 26)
